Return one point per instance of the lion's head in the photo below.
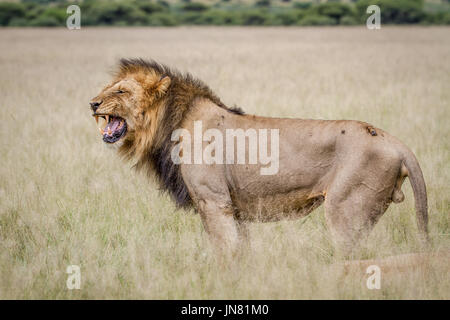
(140, 109)
(125, 107)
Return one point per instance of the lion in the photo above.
(355, 169)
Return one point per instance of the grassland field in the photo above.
(66, 199)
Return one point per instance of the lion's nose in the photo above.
(95, 105)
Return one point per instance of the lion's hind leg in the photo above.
(351, 219)
(354, 204)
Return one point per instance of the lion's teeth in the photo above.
(109, 131)
(96, 119)
(107, 118)
(101, 131)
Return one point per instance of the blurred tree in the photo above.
(114, 13)
(8, 11)
(254, 17)
(398, 11)
(316, 20)
(223, 12)
(302, 5)
(195, 6)
(335, 10)
(263, 3)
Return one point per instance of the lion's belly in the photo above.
(274, 207)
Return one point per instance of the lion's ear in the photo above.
(162, 86)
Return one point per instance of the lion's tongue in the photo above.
(112, 126)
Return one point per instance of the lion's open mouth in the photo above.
(112, 128)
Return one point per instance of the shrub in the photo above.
(191, 18)
(58, 14)
(335, 10)
(254, 17)
(114, 13)
(9, 11)
(348, 21)
(437, 18)
(287, 18)
(446, 18)
(195, 6)
(32, 11)
(162, 19)
(45, 21)
(302, 5)
(18, 22)
(398, 11)
(262, 3)
(163, 3)
(219, 17)
(316, 20)
(151, 7)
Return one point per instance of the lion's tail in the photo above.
(420, 192)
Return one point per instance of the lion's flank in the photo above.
(175, 104)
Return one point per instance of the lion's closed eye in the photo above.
(120, 91)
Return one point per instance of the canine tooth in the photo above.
(102, 124)
(101, 131)
(107, 118)
(109, 131)
(96, 119)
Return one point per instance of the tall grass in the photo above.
(65, 199)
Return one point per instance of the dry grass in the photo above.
(66, 199)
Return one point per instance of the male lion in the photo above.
(355, 169)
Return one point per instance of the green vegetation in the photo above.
(223, 12)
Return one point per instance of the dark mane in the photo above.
(179, 98)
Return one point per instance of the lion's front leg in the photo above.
(209, 192)
(221, 226)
